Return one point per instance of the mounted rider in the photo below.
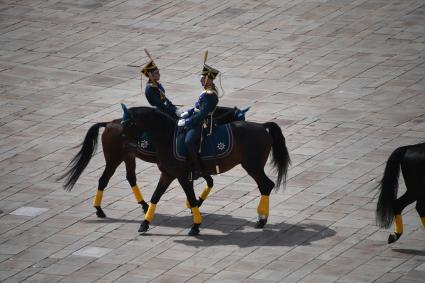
(155, 92)
(200, 117)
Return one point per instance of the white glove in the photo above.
(184, 114)
(181, 122)
(178, 112)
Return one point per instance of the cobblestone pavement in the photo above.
(344, 79)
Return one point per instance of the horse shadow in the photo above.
(217, 229)
(410, 252)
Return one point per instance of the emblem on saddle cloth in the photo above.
(217, 145)
(144, 144)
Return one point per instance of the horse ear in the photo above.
(126, 115)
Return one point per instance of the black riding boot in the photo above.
(196, 164)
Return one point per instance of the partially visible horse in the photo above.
(116, 150)
(252, 145)
(411, 160)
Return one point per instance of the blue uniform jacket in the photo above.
(205, 105)
(156, 97)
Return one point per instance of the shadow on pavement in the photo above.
(219, 229)
(410, 252)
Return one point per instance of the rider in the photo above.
(198, 117)
(155, 92)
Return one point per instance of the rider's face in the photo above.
(155, 75)
(206, 81)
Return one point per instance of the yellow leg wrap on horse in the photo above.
(197, 218)
(263, 206)
(187, 203)
(205, 193)
(98, 198)
(398, 226)
(423, 221)
(150, 213)
(137, 193)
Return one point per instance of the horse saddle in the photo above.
(217, 145)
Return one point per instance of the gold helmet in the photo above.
(209, 71)
(150, 66)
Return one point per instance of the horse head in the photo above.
(128, 123)
(145, 119)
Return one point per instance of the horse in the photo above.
(118, 148)
(253, 143)
(411, 159)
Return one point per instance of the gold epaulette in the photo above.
(210, 91)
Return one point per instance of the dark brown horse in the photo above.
(116, 150)
(411, 160)
(252, 145)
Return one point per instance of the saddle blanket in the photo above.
(217, 145)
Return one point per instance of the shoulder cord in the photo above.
(221, 87)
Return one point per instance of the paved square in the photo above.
(344, 79)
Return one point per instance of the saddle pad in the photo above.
(217, 145)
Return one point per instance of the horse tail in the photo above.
(82, 159)
(389, 189)
(281, 159)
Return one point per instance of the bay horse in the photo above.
(116, 150)
(252, 144)
(411, 160)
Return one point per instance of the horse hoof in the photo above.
(260, 223)
(145, 206)
(393, 238)
(144, 226)
(194, 231)
(100, 213)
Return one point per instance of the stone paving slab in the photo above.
(28, 211)
(345, 80)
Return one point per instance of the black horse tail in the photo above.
(82, 159)
(281, 159)
(389, 188)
